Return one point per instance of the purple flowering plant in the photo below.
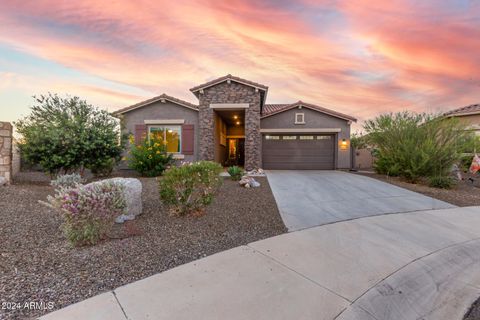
(89, 211)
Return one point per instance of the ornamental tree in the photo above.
(68, 135)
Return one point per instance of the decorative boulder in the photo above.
(248, 182)
(133, 197)
(3, 181)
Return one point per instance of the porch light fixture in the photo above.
(344, 142)
(237, 123)
(235, 117)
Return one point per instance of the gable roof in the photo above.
(464, 111)
(161, 97)
(272, 109)
(231, 78)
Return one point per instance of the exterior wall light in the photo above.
(237, 123)
(343, 144)
(235, 117)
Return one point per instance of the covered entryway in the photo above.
(298, 151)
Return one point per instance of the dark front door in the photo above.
(236, 152)
(298, 151)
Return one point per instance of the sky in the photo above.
(359, 57)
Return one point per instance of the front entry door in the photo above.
(236, 152)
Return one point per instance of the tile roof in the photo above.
(228, 77)
(471, 109)
(271, 109)
(155, 99)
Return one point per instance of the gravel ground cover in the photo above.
(38, 265)
(464, 194)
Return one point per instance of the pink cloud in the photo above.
(376, 56)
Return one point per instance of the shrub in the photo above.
(103, 167)
(68, 135)
(88, 211)
(235, 173)
(150, 158)
(442, 182)
(415, 145)
(67, 181)
(190, 187)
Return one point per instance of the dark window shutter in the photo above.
(140, 133)
(188, 139)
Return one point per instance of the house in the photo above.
(232, 124)
(469, 115)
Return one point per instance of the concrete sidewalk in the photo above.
(405, 266)
(312, 198)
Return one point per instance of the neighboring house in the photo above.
(233, 125)
(469, 114)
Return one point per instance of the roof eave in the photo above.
(293, 105)
(153, 100)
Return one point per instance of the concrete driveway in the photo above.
(311, 198)
(410, 266)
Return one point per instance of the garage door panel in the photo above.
(301, 154)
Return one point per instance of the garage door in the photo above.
(302, 152)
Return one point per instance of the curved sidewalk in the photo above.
(419, 265)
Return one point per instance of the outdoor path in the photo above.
(418, 265)
(312, 198)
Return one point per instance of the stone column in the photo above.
(5, 152)
(253, 138)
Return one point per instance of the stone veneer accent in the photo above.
(232, 92)
(6, 151)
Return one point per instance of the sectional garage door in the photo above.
(298, 151)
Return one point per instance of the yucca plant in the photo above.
(235, 173)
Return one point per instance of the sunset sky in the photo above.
(357, 57)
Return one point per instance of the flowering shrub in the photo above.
(191, 186)
(67, 181)
(88, 211)
(150, 158)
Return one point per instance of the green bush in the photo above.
(190, 187)
(415, 145)
(235, 173)
(103, 167)
(68, 135)
(442, 182)
(150, 158)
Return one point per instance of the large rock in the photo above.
(133, 197)
(3, 181)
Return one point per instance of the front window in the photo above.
(171, 136)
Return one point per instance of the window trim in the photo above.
(296, 117)
(165, 127)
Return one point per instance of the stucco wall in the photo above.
(472, 121)
(313, 120)
(6, 151)
(163, 111)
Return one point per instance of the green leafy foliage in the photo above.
(443, 182)
(150, 158)
(68, 135)
(235, 173)
(415, 145)
(190, 187)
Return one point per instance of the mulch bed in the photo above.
(464, 194)
(37, 264)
